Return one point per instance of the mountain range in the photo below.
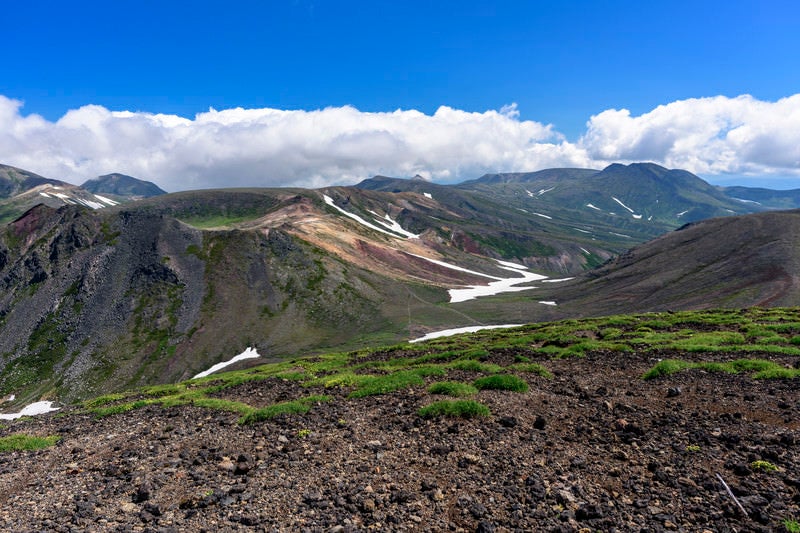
(112, 285)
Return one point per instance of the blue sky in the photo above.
(561, 63)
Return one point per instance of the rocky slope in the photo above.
(594, 447)
(729, 261)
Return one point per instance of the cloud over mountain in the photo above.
(272, 147)
(716, 135)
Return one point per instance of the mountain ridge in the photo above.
(177, 281)
(121, 185)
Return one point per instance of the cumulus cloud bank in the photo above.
(716, 135)
(272, 147)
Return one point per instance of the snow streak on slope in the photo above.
(496, 287)
(623, 205)
(36, 408)
(360, 220)
(456, 331)
(249, 353)
(454, 267)
(394, 226)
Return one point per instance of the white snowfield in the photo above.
(454, 267)
(249, 353)
(623, 205)
(457, 331)
(396, 229)
(108, 201)
(36, 408)
(394, 226)
(82, 201)
(501, 285)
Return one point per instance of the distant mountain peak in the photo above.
(122, 185)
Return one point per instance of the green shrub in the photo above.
(300, 406)
(791, 526)
(665, 368)
(374, 385)
(119, 408)
(471, 365)
(455, 408)
(452, 388)
(532, 368)
(508, 382)
(766, 466)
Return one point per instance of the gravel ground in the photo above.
(593, 448)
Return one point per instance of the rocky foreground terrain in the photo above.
(594, 448)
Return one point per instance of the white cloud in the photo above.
(718, 135)
(272, 147)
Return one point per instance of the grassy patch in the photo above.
(20, 442)
(374, 385)
(455, 408)
(507, 382)
(452, 388)
(470, 365)
(760, 368)
(791, 525)
(532, 368)
(765, 466)
(119, 408)
(303, 405)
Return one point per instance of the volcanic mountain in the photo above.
(159, 289)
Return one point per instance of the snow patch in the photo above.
(499, 285)
(45, 194)
(454, 267)
(557, 280)
(457, 331)
(593, 207)
(509, 264)
(249, 353)
(547, 302)
(682, 213)
(89, 203)
(496, 287)
(637, 217)
(329, 201)
(584, 250)
(105, 200)
(620, 235)
(543, 216)
(623, 205)
(427, 195)
(393, 225)
(33, 409)
(747, 201)
(581, 230)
